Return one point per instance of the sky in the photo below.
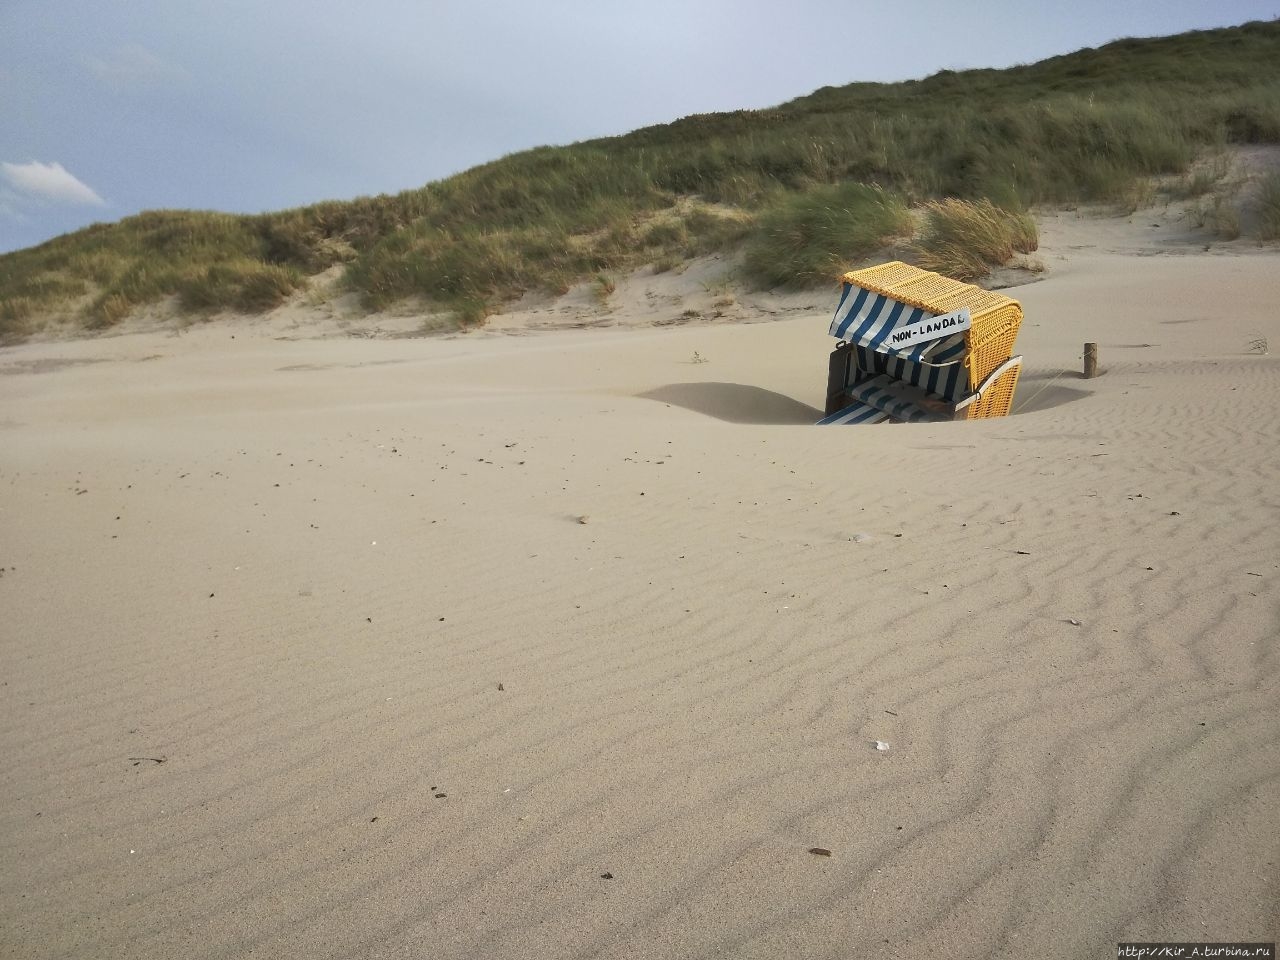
(111, 107)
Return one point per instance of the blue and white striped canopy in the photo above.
(867, 319)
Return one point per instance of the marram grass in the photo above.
(811, 237)
(965, 239)
(1087, 126)
(1269, 207)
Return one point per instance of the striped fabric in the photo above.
(947, 381)
(856, 412)
(886, 397)
(866, 319)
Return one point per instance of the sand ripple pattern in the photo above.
(401, 681)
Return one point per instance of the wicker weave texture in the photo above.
(988, 351)
(932, 291)
(997, 398)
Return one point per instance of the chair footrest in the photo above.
(893, 399)
(856, 412)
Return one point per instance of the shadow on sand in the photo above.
(741, 403)
(735, 403)
(1046, 390)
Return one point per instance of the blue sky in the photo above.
(109, 107)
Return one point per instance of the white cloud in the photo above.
(49, 181)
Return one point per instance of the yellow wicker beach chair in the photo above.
(905, 329)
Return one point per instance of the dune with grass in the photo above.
(802, 191)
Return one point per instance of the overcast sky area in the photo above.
(110, 107)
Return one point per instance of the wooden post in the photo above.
(1090, 360)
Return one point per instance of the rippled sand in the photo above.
(563, 645)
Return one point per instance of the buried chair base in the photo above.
(882, 399)
(855, 413)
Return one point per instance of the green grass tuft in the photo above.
(246, 285)
(107, 310)
(812, 237)
(1269, 207)
(603, 288)
(965, 240)
(470, 311)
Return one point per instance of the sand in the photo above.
(540, 642)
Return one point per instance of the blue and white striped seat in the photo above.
(856, 413)
(880, 398)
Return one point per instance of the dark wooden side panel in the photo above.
(838, 376)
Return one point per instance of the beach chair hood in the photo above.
(877, 322)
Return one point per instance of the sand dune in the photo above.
(565, 645)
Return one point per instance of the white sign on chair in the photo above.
(932, 329)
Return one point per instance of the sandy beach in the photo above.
(550, 643)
